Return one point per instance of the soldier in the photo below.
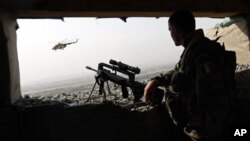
(197, 83)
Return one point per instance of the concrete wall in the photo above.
(119, 8)
(10, 77)
(94, 122)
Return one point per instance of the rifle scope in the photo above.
(125, 67)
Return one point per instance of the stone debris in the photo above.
(81, 98)
(142, 108)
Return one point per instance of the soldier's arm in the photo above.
(164, 79)
(161, 80)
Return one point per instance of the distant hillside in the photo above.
(80, 84)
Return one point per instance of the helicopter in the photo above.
(62, 45)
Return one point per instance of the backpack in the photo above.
(228, 65)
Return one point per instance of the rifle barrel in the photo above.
(89, 68)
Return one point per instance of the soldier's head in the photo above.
(181, 23)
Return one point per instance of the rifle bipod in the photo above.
(100, 82)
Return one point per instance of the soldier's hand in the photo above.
(149, 89)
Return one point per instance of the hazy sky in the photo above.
(139, 42)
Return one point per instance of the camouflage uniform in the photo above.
(197, 78)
